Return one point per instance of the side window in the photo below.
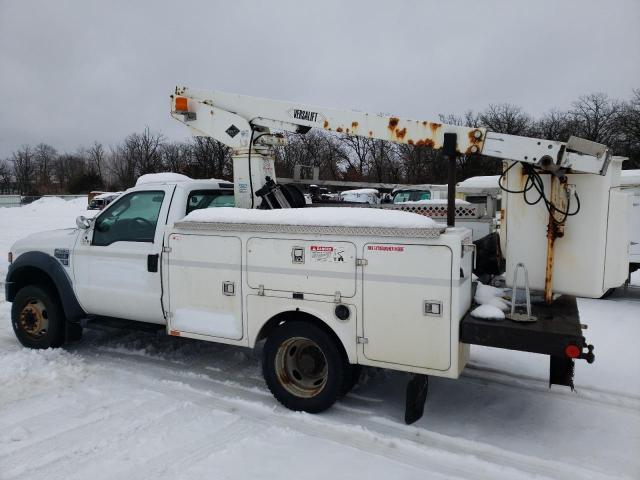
(132, 218)
(425, 196)
(199, 199)
(401, 197)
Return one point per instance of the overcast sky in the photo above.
(76, 71)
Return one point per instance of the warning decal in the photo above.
(321, 253)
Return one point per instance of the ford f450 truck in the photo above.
(328, 289)
(331, 289)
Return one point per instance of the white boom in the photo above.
(244, 123)
(233, 119)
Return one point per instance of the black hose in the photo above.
(534, 181)
(250, 175)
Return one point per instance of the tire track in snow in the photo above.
(197, 449)
(417, 447)
(582, 394)
(72, 443)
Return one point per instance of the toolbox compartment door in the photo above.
(321, 267)
(407, 304)
(205, 285)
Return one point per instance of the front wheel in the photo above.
(303, 367)
(37, 318)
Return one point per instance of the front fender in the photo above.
(38, 267)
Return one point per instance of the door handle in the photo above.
(152, 263)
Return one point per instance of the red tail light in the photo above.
(572, 351)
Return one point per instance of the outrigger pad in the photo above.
(561, 371)
(417, 389)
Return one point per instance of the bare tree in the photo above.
(24, 169)
(313, 149)
(143, 150)
(6, 178)
(505, 118)
(175, 157)
(384, 162)
(554, 125)
(45, 155)
(96, 157)
(596, 117)
(359, 154)
(209, 159)
(122, 167)
(629, 129)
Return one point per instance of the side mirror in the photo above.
(82, 222)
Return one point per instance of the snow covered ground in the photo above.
(141, 405)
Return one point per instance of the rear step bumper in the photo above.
(557, 333)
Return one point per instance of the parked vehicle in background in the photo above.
(416, 193)
(630, 182)
(361, 195)
(98, 202)
(482, 190)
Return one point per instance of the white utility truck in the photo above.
(630, 182)
(328, 289)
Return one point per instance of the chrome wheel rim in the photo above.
(301, 367)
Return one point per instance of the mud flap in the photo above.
(561, 371)
(417, 389)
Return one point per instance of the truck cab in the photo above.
(114, 255)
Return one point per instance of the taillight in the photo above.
(572, 351)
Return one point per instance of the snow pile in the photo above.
(25, 370)
(361, 191)
(488, 295)
(106, 195)
(488, 312)
(322, 216)
(488, 181)
(491, 301)
(162, 178)
(47, 213)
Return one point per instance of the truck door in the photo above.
(116, 264)
(205, 283)
(406, 304)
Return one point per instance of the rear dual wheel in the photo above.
(304, 367)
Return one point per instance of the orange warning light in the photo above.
(181, 104)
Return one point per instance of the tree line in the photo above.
(41, 169)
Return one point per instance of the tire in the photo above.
(303, 367)
(37, 318)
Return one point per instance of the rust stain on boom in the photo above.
(400, 133)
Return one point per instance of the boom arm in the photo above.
(230, 118)
(243, 123)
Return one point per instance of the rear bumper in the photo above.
(558, 327)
